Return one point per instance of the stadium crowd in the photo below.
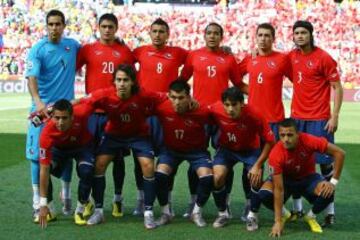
(20, 27)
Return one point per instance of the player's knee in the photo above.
(85, 171)
(219, 180)
(101, 165)
(207, 182)
(147, 168)
(164, 168)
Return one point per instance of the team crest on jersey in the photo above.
(67, 48)
(296, 61)
(220, 60)
(203, 58)
(168, 56)
(151, 54)
(254, 62)
(116, 54)
(271, 64)
(133, 106)
(310, 64)
(97, 52)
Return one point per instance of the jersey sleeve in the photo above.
(235, 76)
(318, 144)
(188, 69)
(95, 99)
(46, 143)
(287, 67)
(275, 161)
(329, 66)
(33, 63)
(136, 54)
(242, 67)
(81, 57)
(266, 133)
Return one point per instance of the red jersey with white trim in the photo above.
(211, 71)
(312, 74)
(300, 162)
(76, 137)
(101, 61)
(126, 118)
(266, 75)
(158, 67)
(243, 133)
(184, 132)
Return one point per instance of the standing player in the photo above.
(292, 166)
(65, 137)
(266, 74)
(127, 108)
(101, 58)
(211, 68)
(185, 138)
(241, 129)
(51, 75)
(314, 75)
(159, 66)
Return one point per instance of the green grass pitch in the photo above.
(15, 194)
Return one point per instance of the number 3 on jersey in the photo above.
(107, 67)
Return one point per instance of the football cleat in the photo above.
(189, 210)
(296, 215)
(88, 209)
(139, 209)
(220, 221)
(51, 217)
(198, 219)
(67, 207)
(117, 210)
(96, 218)
(245, 212)
(149, 221)
(285, 217)
(252, 224)
(163, 220)
(314, 225)
(328, 221)
(79, 219)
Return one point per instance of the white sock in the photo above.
(148, 213)
(311, 214)
(196, 209)
(99, 210)
(252, 214)
(65, 190)
(117, 198)
(140, 195)
(80, 207)
(297, 205)
(223, 213)
(166, 209)
(36, 196)
(330, 209)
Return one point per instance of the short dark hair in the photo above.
(217, 25)
(55, 12)
(288, 122)
(267, 26)
(130, 71)
(110, 17)
(63, 105)
(179, 85)
(160, 21)
(233, 94)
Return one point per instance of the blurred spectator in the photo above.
(337, 26)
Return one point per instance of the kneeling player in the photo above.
(292, 167)
(184, 139)
(240, 131)
(64, 138)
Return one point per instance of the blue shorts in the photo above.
(32, 141)
(141, 146)
(275, 129)
(96, 125)
(61, 158)
(196, 159)
(229, 158)
(156, 132)
(316, 128)
(304, 187)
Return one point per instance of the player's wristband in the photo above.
(43, 201)
(334, 181)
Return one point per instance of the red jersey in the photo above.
(243, 133)
(266, 75)
(76, 137)
(211, 73)
(297, 163)
(312, 74)
(184, 132)
(126, 118)
(101, 61)
(158, 67)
